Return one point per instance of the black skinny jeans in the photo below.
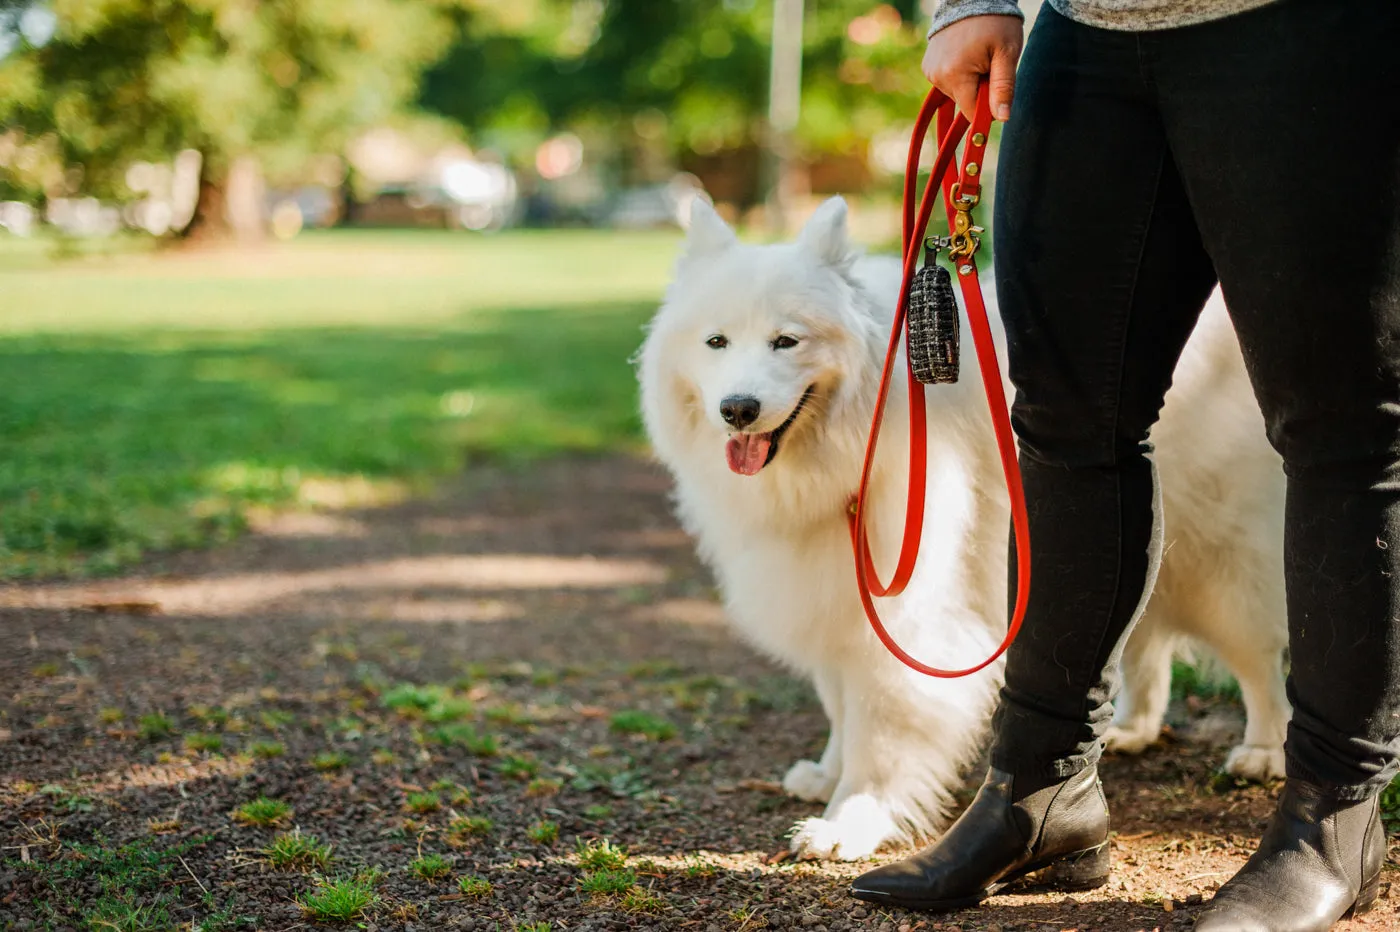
(1137, 167)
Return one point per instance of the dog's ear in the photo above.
(708, 233)
(825, 233)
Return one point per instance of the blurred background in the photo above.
(315, 252)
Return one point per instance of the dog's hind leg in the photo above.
(1147, 678)
(1255, 656)
(815, 780)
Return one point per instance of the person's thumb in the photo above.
(1002, 82)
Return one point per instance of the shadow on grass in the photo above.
(118, 444)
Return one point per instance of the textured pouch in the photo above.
(933, 325)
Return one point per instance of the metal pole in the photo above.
(784, 103)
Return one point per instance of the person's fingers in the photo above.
(962, 87)
(1002, 81)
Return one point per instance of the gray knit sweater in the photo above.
(1132, 15)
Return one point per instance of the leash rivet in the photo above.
(964, 270)
(972, 168)
(979, 140)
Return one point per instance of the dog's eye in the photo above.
(784, 342)
(718, 341)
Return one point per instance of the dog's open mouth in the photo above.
(749, 453)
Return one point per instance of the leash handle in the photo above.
(959, 197)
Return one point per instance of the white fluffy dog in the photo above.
(758, 380)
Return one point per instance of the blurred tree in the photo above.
(693, 72)
(122, 80)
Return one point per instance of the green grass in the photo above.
(127, 888)
(152, 400)
(203, 741)
(422, 803)
(262, 812)
(605, 882)
(430, 867)
(643, 723)
(266, 750)
(600, 855)
(295, 851)
(463, 828)
(329, 761)
(153, 726)
(474, 886)
(1203, 681)
(339, 900)
(518, 767)
(543, 832)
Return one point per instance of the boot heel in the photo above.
(1365, 899)
(1083, 870)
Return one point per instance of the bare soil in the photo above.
(543, 602)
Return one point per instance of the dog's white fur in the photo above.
(900, 743)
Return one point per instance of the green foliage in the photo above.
(461, 829)
(295, 851)
(600, 855)
(430, 867)
(633, 722)
(132, 423)
(604, 882)
(1390, 806)
(518, 767)
(151, 726)
(474, 886)
(132, 79)
(328, 761)
(126, 887)
(423, 802)
(262, 812)
(203, 741)
(339, 900)
(266, 750)
(1197, 680)
(543, 832)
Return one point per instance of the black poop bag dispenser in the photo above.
(933, 322)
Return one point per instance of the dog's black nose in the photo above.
(739, 410)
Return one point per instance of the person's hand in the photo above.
(959, 55)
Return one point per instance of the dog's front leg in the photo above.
(815, 780)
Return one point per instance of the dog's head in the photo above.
(757, 348)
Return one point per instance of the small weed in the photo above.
(461, 796)
(637, 900)
(203, 741)
(339, 900)
(154, 725)
(449, 709)
(698, 868)
(209, 716)
(600, 855)
(276, 719)
(45, 670)
(540, 926)
(517, 767)
(598, 811)
(474, 886)
(330, 760)
(461, 829)
(1390, 805)
(164, 826)
(383, 757)
(608, 882)
(543, 832)
(508, 714)
(109, 715)
(295, 851)
(422, 803)
(650, 726)
(262, 811)
(430, 867)
(266, 750)
(543, 786)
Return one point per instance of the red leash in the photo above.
(959, 199)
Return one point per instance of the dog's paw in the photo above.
(1132, 739)
(855, 831)
(1257, 762)
(808, 780)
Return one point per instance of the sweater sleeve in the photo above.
(950, 11)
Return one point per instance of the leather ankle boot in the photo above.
(1319, 861)
(1013, 828)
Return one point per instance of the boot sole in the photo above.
(1082, 870)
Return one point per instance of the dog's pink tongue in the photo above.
(748, 452)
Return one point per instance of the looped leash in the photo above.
(960, 196)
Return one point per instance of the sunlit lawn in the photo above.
(148, 400)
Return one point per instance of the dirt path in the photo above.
(525, 610)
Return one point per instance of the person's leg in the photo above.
(1285, 126)
(1100, 278)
